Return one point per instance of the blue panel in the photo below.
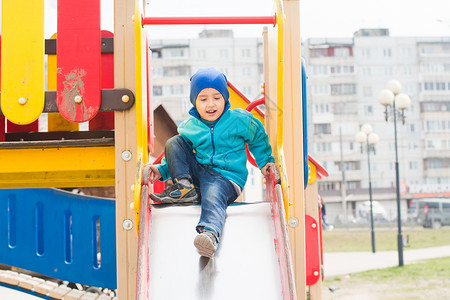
(55, 233)
(305, 127)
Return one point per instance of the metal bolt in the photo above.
(126, 155)
(316, 273)
(22, 100)
(132, 188)
(132, 205)
(313, 225)
(127, 224)
(293, 222)
(125, 98)
(78, 99)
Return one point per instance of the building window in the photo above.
(367, 91)
(322, 128)
(245, 52)
(319, 52)
(223, 53)
(176, 71)
(343, 89)
(428, 86)
(323, 147)
(201, 53)
(413, 165)
(341, 52)
(157, 90)
(368, 110)
(176, 89)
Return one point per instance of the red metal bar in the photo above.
(208, 20)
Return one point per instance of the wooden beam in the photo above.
(126, 140)
(292, 139)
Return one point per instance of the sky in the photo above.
(318, 18)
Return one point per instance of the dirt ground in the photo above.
(348, 288)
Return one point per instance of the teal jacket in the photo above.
(222, 145)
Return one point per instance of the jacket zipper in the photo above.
(212, 141)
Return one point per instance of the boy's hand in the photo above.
(154, 173)
(265, 169)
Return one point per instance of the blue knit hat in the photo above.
(208, 78)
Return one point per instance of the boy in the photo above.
(209, 154)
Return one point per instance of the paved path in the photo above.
(352, 262)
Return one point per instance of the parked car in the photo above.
(434, 212)
(379, 212)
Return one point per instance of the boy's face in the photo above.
(210, 104)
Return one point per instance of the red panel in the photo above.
(320, 238)
(2, 128)
(312, 250)
(2, 118)
(158, 187)
(78, 64)
(105, 120)
(32, 127)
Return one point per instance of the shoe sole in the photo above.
(170, 200)
(204, 246)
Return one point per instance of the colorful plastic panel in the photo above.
(59, 234)
(78, 50)
(22, 66)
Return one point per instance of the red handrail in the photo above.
(209, 20)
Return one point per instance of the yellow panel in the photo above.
(56, 122)
(57, 167)
(237, 101)
(22, 66)
(312, 176)
(141, 106)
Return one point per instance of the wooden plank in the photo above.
(105, 120)
(78, 70)
(125, 137)
(293, 138)
(22, 63)
(56, 122)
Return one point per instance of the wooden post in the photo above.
(125, 140)
(292, 140)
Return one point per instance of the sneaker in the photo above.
(177, 193)
(206, 243)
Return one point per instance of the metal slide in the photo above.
(244, 267)
(250, 262)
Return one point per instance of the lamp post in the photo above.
(395, 103)
(366, 136)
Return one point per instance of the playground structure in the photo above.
(116, 147)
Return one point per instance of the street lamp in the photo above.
(395, 103)
(370, 139)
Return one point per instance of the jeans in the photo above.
(216, 191)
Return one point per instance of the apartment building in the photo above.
(345, 77)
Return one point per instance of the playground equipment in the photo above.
(80, 90)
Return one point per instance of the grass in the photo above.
(426, 280)
(385, 240)
(427, 270)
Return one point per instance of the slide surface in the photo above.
(245, 265)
